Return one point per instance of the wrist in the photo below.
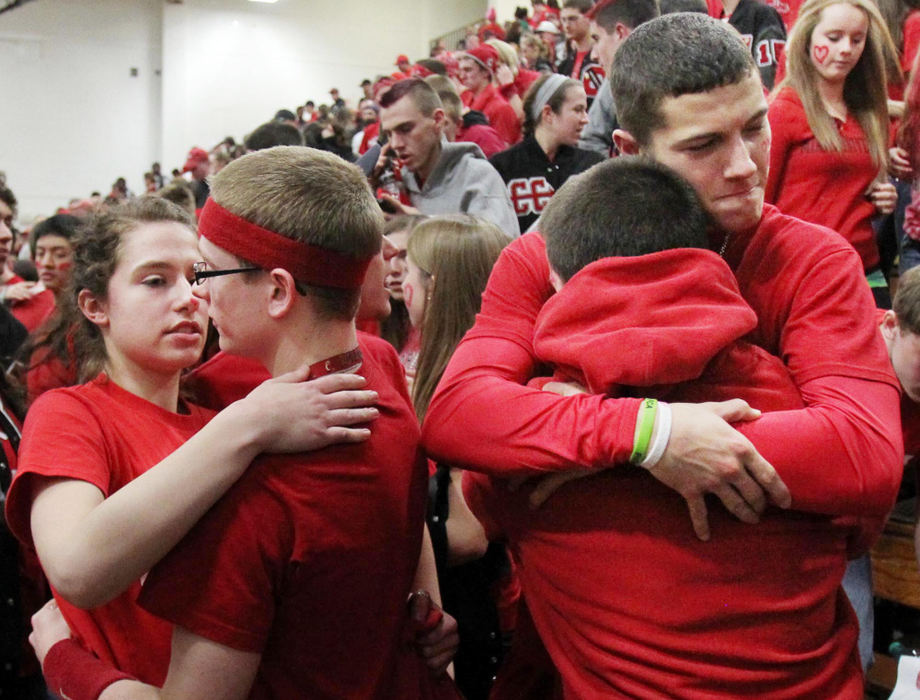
(241, 426)
(645, 424)
(652, 433)
(661, 435)
(71, 671)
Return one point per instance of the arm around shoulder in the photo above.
(483, 417)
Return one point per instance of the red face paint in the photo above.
(820, 53)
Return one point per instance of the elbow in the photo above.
(76, 585)
(884, 491)
(467, 549)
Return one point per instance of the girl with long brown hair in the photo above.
(829, 118)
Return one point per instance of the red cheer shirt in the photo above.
(309, 559)
(104, 435)
(824, 187)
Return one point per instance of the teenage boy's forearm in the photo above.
(483, 419)
(843, 455)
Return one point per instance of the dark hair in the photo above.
(8, 198)
(432, 64)
(668, 7)
(423, 95)
(630, 13)
(624, 206)
(285, 115)
(273, 134)
(63, 225)
(670, 56)
(555, 100)
(26, 269)
(179, 192)
(582, 6)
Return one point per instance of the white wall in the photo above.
(72, 119)
(229, 66)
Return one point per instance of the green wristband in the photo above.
(647, 414)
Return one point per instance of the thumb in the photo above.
(419, 605)
(734, 410)
(298, 374)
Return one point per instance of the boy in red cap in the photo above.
(477, 70)
(198, 163)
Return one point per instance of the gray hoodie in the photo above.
(602, 120)
(464, 182)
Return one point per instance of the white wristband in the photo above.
(660, 438)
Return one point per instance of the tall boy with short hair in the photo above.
(630, 619)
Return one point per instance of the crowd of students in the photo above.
(546, 373)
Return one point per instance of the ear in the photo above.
(282, 293)
(546, 114)
(621, 30)
(92, 308)
(439, 117)
(625, 142)
(889, 325)
(555, 280)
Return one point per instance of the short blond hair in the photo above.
(310, 196)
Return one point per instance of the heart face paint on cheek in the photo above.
(408, 293)
(820, 53)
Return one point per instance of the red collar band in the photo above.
(310, 264)
(345, 362)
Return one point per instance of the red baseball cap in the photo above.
(402, 58)
(195, 156)
(485, 55)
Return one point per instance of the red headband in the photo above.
(313, 265)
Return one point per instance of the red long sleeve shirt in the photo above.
(840, 455)
(824, 187)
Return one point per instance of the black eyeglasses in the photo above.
(202, 272)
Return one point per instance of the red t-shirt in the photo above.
(371, 132)
(48, 372)
(483, 136)
(224, 379)
(524, 79)
(308, 560)
(499, 113)
(33, 312)
(842, 454)
(102, 434)
(911, 33)
(824, 187)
